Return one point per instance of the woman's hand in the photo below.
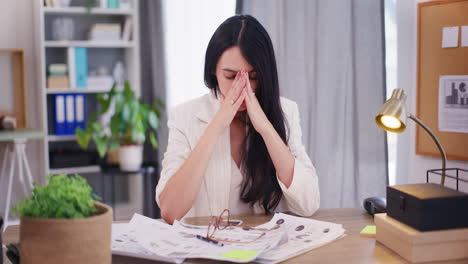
(230, 103)
(256, 115)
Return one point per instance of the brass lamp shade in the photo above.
(392, 115)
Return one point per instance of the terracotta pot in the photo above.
(48, 240)
(113, 156)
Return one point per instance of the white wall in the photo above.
(17, 32)
(411, 168)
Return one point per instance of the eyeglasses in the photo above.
(219, 223)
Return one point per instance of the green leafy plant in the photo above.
(62, 197)
(131, 123)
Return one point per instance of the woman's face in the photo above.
(231, 62)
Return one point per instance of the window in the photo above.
(188, 27)
(391, 73)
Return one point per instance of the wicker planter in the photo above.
(87, 240)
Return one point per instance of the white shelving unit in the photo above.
(77, 90)
(75, 10)
(52, 51)
(89, 44)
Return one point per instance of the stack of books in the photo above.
(58, 76)
(105, 32)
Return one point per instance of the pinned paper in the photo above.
(369, 230)
(450, 37)
(464, 36)
(240, 254)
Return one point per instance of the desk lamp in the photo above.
(422, 206)
(392, 117)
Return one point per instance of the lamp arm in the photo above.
(441, 149)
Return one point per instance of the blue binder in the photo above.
(80, 111)
(59, 115)
(81, 67)
(70, 114)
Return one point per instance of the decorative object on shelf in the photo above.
(130, 125)
(64, 210)
(119, 74)
(113, 4)
(100, 78)
(7, 122)
(63, 28)
(125, 4)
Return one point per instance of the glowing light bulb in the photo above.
(390, 122)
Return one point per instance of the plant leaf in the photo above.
(101, 145)
(153, 120)
(82, 137)
(153, 140)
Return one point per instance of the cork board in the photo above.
(432, 62)
(17, 64)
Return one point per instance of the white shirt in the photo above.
(187, 123)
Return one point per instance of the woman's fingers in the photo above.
(234, 84)
(236, 88)
(239, 101)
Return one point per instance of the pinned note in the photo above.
(464, 36)
(240, 254)
(450, 37)
(369, 230)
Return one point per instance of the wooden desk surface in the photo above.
(351, 249)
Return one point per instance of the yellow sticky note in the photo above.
(369, 230)
(240, 254)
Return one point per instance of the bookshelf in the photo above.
(100, 54)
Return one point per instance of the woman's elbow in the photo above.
(168, 216)
(310, 207)
(168, 212)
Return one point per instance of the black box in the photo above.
(427, 206)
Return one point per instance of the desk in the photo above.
(350, 249)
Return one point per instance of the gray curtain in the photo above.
(153, 77)
(331, 61)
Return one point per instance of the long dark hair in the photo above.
(244, 31)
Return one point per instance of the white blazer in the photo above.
(187, 123)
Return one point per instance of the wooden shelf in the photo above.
(76, 10)
(72, 170)
(88, 44)
(54, 138)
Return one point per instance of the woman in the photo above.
(238, 147)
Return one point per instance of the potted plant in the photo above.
(132, 122)
(62, 223)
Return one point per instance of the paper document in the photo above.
(303, 235)
(124, 243)
(180, 241)
(283, 237)
(450, 37)
(453, 103)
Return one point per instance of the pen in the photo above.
(202, 238)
